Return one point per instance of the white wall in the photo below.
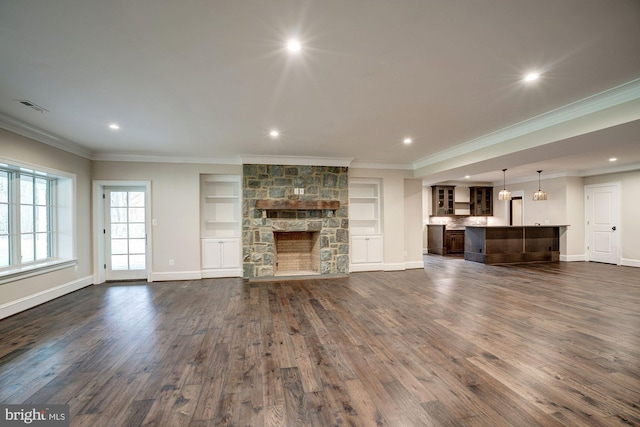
(175, 205)
(21, 294)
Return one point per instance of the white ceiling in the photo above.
(208, 79)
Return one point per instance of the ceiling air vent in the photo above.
(32, 105)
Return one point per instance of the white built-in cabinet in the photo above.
(365, 224)
(220, 225)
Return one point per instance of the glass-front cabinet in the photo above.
(481, 201)
(443, 200)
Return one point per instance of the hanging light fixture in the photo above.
(539, 195)
(504, 194)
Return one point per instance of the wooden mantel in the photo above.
(281, 204)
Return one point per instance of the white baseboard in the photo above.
(354, 268)
(229, 272)
(414, 264)
(572, 258)
(176, 275)
(630, 262)
(397, 266)
(25, 303)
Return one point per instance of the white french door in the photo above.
(602, 212)
(125, 233)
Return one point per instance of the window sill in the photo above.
(22, 272)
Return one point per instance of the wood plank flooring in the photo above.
(456, 344)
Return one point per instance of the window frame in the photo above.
(60, 230)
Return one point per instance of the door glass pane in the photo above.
(119, 262)
(119, 231)
(137, 262)
(136, 246)
(136, 231)
(136, 214)
(118, 215)
(119, 246)
(118, 198)
(136, 199)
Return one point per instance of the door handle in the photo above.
(613, 228)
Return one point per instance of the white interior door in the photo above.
(602, 223)
(125, 233)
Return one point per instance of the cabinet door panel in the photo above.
(230, 256)
(211, 254)
(359, 249)
(374, 249)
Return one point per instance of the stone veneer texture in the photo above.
(275, 182)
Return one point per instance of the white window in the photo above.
(36, 221)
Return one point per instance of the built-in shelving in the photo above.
(220, 225)
(364, 207)
(220, 206)
(365, 224)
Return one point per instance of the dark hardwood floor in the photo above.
(457, 344)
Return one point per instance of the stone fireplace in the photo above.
(295, 220)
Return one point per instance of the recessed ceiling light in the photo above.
(531, 77)
(407, 140)
(613, 159)
(467, 177)
(114, 126)
(294, 46)
(274, 133)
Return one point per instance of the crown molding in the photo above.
(618, 95)
(297, 160)
(615, 169)
(364, 164)
(33, 132)
(156, 158)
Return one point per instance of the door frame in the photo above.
(507, 207)
(617, 218)
(99, 256)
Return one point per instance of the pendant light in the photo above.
(539, 195)
(504, 194)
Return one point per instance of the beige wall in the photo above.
(394, 215)
(175, 205)
(21, 292)
(629, 212)
(413, 221)
(575, 238)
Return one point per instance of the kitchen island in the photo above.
(512, 244)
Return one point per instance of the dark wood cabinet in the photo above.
(481, 201)
(443, 242)
(443, 200)
(454, 240)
